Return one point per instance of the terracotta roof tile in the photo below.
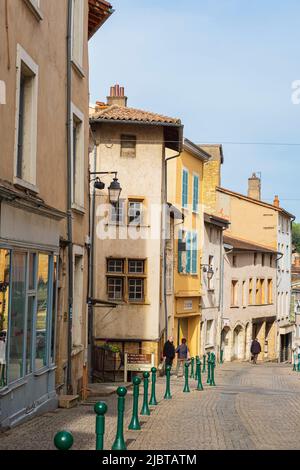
(121, 113)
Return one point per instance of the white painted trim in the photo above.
(23, 56)
(34, 6)
(2, 92)
(79, 34)
(78, 204)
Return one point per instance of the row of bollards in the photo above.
(296, 363)
(64, 440)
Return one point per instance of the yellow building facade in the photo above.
(185, 191)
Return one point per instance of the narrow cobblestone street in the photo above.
(252, 407)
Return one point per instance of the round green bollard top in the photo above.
(136, 380)
(100, 408)
(168, 368)
(146, 375)
(153, 369)
(186, 365)
(63, 440)
(121, 391)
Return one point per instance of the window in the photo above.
(195, 193)
(194, 252)
(262, 259)
(126, 279)
(271, 261)
(234, 293)
(185, 189)
(262, 292)
(255, 259)
(128, 146)
(117, 214)
(188, 252)
(181, 250)
(136, 290)
(26, 119)
(115, 288)
(77, 32)
(244, 294)
(234, 261)
(270, 291)
(210, 282)
(209, 332)
(115, 266)
(169, 277)
(78, 158)
(250, 295)
(136, 266)
(78, 298)
(4, 305)
(27, 315)
(135, 212)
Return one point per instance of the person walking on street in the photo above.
(169, 352)
(255, 350)
(183, 353)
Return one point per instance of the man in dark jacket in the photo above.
(255, 350)
(169, 352)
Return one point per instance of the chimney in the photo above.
(276, 202)
(254, 187)
(117, 96)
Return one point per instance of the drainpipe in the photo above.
(165, 241)
(69, 196)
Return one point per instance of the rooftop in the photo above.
(99, 12)
(122, 113)
(245, 245)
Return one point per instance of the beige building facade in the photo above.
(132, 282)
(44, 132)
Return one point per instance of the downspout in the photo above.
(165, 242)
(69, 196)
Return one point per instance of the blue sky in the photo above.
(225, 67)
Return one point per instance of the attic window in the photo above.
(128, 146)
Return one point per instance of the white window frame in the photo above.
(24, 57)
(35, 7)
(137, 221)
(77, 321)
(78, 192)
(77, 58)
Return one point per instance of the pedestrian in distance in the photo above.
(183, 355)
(255, 350)
(169, 352)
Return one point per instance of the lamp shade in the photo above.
(210, 273)
(114, 191)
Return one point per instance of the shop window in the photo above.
(4, 304)
(42, 311)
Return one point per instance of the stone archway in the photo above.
(238, 343)
(225, 343)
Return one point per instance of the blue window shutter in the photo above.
(188, 251)
(194, 253)
(195, 193)
(185, 176)
(179, 252)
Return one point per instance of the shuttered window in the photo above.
(185, 188)
(195, 193)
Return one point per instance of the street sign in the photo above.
(138, 363)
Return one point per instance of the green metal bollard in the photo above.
(63, 440)
(198, 369)
(186, 376)
(192, 376)
(100, 409)
(119, 443)
(295, 362)
(145, 408)
(208, 370)
(221, 356)
(134, 423)
(212, 369)
(298, 365)
(168, 395)
(204, 363)
(153, 401)
(196, 373)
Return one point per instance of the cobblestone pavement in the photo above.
(252, 407)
